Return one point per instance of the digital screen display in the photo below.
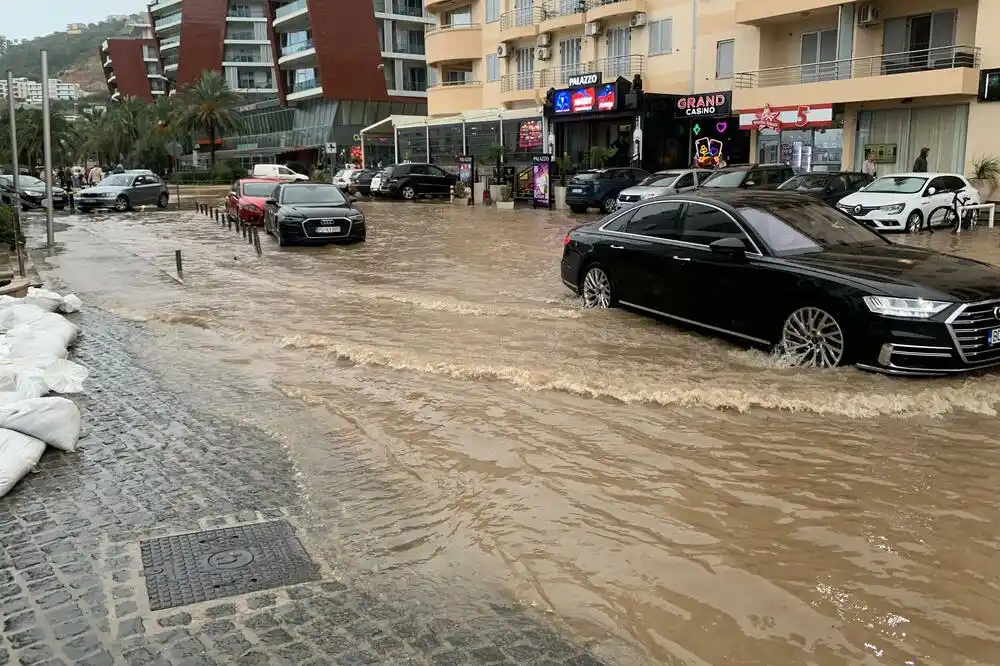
(586, 99)
(529, 134)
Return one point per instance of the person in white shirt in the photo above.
(869, 168)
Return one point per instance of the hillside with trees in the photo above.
(72, 57)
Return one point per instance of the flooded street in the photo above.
(670, 498)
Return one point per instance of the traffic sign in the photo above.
(331, 149)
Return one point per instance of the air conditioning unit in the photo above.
(867, 15)
(592, 28)
(543, 52)
(502, 51)
(544, 39)
(637, 20)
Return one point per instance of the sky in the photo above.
(55, 14)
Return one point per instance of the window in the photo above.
(807, 226)
(839, 185)
(704, 225)
(953, 183)
(662, 220)
(523, 12)
(620, 222)
(460, 16)
(492, 10)
(619, 48)
(897, 185)
(660, 36)
(724, 59)
(570, 51)
(919, 42)
(525, 59)
(819, 51)
(285, 171)
(687, 180)
(419, 169)
(770, 176)
(436, 171)
(492, 67)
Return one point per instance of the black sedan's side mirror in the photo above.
(732, 248)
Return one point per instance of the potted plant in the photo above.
(461, 193)
(563, 165)
(985, 176)
(506, 201)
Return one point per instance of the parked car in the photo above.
(312, 213)
(246, 200)
(413, 180)
(664, 182)
(342, 178)
(828, 186)
(750, 177)
(599, 188)
(375, 187)
(31, 192)
(361, 181)
(784, 270)
(278, 171)
(904, 201)
(122, 191)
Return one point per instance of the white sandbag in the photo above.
(51, 332)
(24, 380)
(49, 301)
(62, 376)
(55, 421)
(19, 314)
(71, 303)
(18, 455)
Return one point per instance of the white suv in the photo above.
(906, 201)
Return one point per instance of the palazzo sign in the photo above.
(583, 80)
(787, 117)
(719, 104)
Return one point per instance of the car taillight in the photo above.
(567, 240)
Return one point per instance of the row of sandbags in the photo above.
(34, 344)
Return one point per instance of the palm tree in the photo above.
(208, 106)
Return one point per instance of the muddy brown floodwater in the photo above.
(667, 496)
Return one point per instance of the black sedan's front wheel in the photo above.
(597, 291)
(812, 337)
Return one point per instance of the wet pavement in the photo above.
(463, 434)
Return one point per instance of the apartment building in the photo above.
(132, 65)
(814, 83)
(29, 92)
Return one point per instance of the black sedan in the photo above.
(787, 271)
(361, 181)
(828, 186)
(32, 192)
(312, 214)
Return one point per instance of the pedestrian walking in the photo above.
(869, 168)
(119, 168)
(96, 175)
(920, 164)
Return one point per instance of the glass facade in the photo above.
(804, 150)
(942, 129)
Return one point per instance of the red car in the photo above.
(246, 201)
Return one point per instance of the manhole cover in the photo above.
(201, 566)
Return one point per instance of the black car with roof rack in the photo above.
(789, 272)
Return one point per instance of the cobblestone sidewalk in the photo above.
(71, 586)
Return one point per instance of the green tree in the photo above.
(208, 106)
(30, 141)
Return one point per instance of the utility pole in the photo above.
(47, 144)
(15, 199)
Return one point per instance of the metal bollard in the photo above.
(177, 258)
(256, 241)
(250, 235)
(243, 230)
(231, 223)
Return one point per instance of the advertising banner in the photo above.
(465, 167)
(541, 170)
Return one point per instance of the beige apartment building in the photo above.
(813, 82)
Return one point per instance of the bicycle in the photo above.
(949, 217)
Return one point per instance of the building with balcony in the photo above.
(131, 64)
(29, 92)
(887, 76)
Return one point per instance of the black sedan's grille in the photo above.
(312, 227)
(971, 328)
(628, 198)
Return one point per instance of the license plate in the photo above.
(328, 230)
(576, 190)
(375, 183)
(994, 338)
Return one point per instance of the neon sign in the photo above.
(586, 99)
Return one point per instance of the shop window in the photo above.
(660, 36)
(724, 52)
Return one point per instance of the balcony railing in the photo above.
(290, 8)
(166, 20)
(402, 10)
(242, 36)
(406, 47)
(259, 58)
(522, 81)
(521, 17)
(555, 8)
(308, 84)
(922, 60)
(298, 47)
(414, 86)
(610, 68)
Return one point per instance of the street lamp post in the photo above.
(15, 200)
(47, 146)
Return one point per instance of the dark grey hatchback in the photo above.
(787, 271)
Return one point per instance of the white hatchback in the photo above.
(906, 201)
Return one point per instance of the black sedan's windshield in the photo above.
(803, 226)
(313, 194)
(806, 182)
(726, 179)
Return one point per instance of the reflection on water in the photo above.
(694, 500)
